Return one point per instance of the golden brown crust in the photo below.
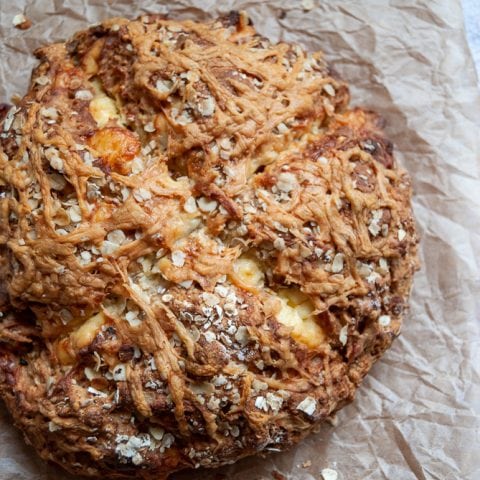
(150, 165)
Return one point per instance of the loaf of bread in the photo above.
(203, 249)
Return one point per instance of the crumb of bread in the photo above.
(21, 22)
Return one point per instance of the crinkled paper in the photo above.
(417, 415)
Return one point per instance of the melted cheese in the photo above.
(67, 347)
(296, 309)
(102, 107)
(247, 274)
(86, 333)
(296, 312)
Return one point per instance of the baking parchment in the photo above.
(417, 415)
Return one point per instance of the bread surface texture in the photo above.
(203, 248)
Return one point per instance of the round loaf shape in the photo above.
(203, 249)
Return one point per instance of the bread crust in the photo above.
(203, 249)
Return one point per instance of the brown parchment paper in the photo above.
(417, 415)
